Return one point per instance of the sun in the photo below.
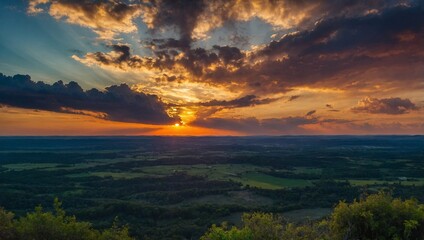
(179, 124)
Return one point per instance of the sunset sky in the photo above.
(211, 67)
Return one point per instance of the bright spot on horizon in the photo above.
(177, 125)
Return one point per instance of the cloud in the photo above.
(307, 125)
(339, 49)
(34, 6)
(367, 128)
(280, 14)
(289, 125)
(193, 19)
(180, 14)
(269, 126)
(246, 101)
(292, 98)
(191, 64)
(116, 103)
(336, 52)
(119, 58)
(393, 106)
(208, 108)
(106, 18)
(310, 113)
(330, 108)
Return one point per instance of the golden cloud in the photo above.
(106, 18)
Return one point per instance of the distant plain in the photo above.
(182, 185)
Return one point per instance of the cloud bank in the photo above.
(336, 52)
(391, 106)
(116, 103)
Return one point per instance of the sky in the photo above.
(211, 67)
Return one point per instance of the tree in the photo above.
(307, 231)
(7, 230)
(263, 225)
(116, 232)
(225, 233)
(42, 225)
(256, 226)
(378, 216)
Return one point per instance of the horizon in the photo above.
(211, 68)
(211, 136)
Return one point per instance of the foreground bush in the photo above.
(256, 226)
(377, 217)
(259, 226)
(41, 225)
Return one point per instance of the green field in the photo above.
(248, 175)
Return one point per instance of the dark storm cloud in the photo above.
(116, 103)
(246, 101)
(181, 14)
(336, 35)
(124, 50)
(229, 54)
(339, 48)
(391, 106)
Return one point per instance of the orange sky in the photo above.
(24, 122)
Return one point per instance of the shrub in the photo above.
(378, 216)
(7, 230)
(42, 225)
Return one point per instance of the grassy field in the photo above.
(261, 180)
(418, 182)
(248, 175)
